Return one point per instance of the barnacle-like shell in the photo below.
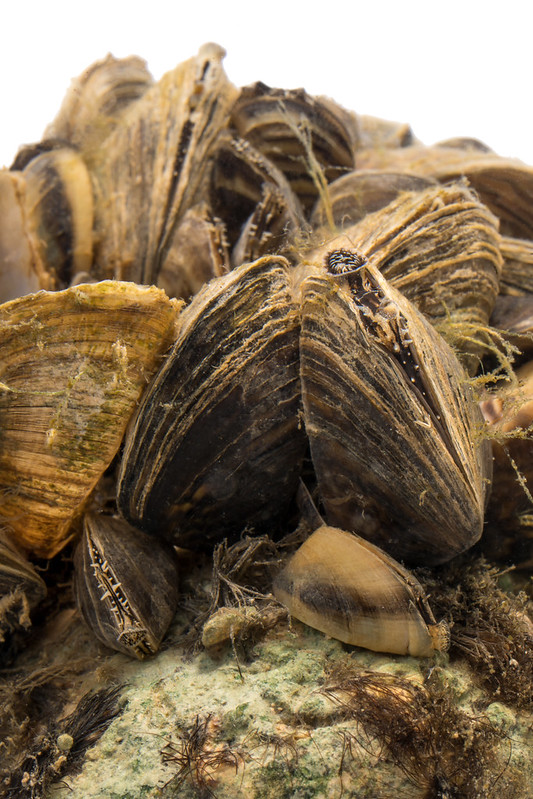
(46, 222)
(126, 585)
(362, 192)
(74, 364)
(286, 126)
(96, 99)
(20, 587)
(216, 444)
(392, 424)
(439, 247)
(340, 584)
(504, 185)
(154, 165)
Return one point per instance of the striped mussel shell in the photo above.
(394, 431)
(96, 99)
(217, 442)
(46, 220)
(253, 199)
(439, 246)
(307, 138)
(155, 166)
(351, 197)
(74, 364)
(504, 185)
(126, 585)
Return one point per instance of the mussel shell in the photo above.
(217, 444)
(96, 99)
(277, 121)
(155, 165)
(242, 183)
(517, 271)
(345, 587)
(21, 588)
(362, 192)
(504, 185)
(392, 424)
(74, 364)
(126, 585)
(21, 268)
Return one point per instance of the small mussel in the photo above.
(21, 588)
(126, 585)
(344, 586)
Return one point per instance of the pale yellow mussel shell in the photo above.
(349, 589)
(74, 364)
(392, 423)
(96, 99)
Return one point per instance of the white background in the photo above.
(448, 68)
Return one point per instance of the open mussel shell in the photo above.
(21, 588)
(300, 134)
(349, 589)
(126, 585)
(438, 246)
(393, 427)
(254, 199)
(217, 444)
(74, 364)
(154, 167)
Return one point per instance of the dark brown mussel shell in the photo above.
(21, 588)
(217, 442)
(287, 126)
(126, 585)
(391, 421)
(253, 199)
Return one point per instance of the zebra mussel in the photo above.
(314, 277)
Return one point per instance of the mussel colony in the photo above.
(228, 294)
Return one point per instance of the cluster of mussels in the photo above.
(225, 293)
